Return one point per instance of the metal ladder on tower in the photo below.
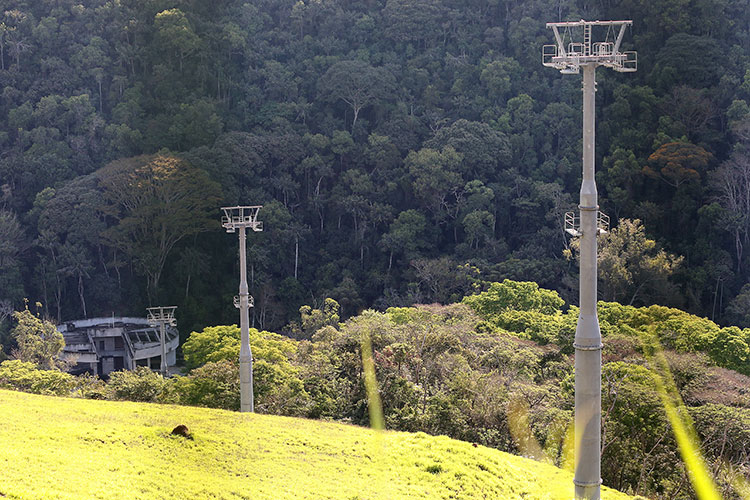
(587, 39)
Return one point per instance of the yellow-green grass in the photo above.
(53, 448)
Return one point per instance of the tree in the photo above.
(496, 77)
(314, 319)
(678, 162)
(692, 109)
(442, 279)
(12, 244)
(483, 149)
(676, 61)
(141, 384)
(732, 183)
(70, 227)
(408, 20)
(738, 310)
(17, 45)
(215, 385)
(633, 425)
(38, 340)
(632, 266)
(408, 234)
(357, 84)
(436, 180)
(478, 226)
(155, 201)
(515, 295)
(175, 34)
(620, 175)
(92, 61)
(4, 29)
(193, 125)
(277, 385)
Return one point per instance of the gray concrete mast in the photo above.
(242, 217)
(569, 59)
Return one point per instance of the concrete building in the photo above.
(104, 345)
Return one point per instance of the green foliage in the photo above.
(157, 201)
(406, 152)
(518, 296)
(38, 340)
(414, 350)
(11, 245)
(357, 84)
(522, 308)
(348, 116)
(635, 426)
(212, 354)
(216, 384)
(213, 343)
(140, 384)
(90, 387)
(529, 312)
(722, 429)
(216, 343)
(27, 377)
(315, 319)
(632, 267)
(675, 329)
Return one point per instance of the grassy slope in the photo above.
(70, 448)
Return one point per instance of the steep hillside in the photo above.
(68, 448)
(389, 142)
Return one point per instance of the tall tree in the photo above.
(678, 162)
(155, 202)
(38, 340)
(175, 35)
(732, 183)
(632, 267)
(12, 244)
(357, 84)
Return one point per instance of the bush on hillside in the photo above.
(90, 386)
(216, 343)
(530, 312)
(25, 376)
(140, 384)
(215, 385)
(634, 425)
(278, 388)
(515, 295)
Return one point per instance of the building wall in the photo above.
(109, 349)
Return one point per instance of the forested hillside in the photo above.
(405, 151)
(495, 370)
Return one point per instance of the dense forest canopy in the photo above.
(404, 152)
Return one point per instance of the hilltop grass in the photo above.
(60, 448)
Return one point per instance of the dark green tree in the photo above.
(155, 201)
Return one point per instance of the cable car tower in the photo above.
(162, 316)
(243, 217)
(575, 49)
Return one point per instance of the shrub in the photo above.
(524, 309)
(215, 385)
(515, 295)
(90, 387)
(141, 384)
(24, 376)
(278, 388)
(216, 343)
